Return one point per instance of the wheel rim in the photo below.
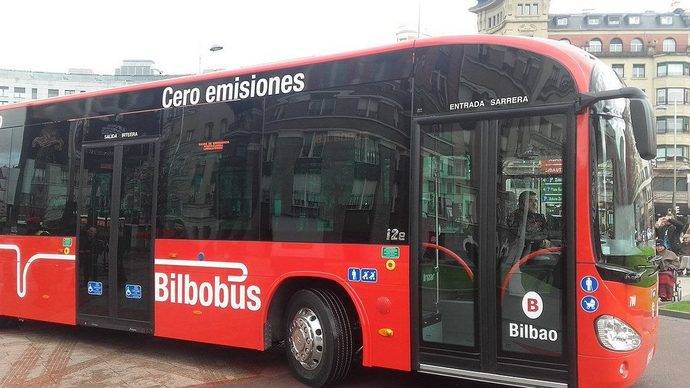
(306, 338)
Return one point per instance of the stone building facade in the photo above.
(649, 50)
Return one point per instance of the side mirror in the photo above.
(644, 127)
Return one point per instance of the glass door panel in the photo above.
(94, 230)
(448, 235)
(134, 243)
(529, 230)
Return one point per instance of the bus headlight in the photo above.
(616, 335)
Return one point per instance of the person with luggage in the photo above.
(667, 262)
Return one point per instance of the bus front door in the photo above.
(489, 266)
(115, 226)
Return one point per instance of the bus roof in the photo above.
(576, 60)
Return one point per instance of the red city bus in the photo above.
(476, 207)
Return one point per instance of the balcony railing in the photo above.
(646, 52)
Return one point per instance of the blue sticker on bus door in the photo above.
(133, 291)
(94, 288)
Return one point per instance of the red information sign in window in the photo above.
(213, 145)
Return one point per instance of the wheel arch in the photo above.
(284, 287)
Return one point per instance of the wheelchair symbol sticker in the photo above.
(94, 288)
(589, 284)
(132, 291)
(589, 304)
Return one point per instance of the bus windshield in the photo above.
(621, 192)
(623, 195)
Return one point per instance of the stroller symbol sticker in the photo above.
(589, 284)
(589, 304)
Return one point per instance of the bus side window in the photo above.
(330, 179)
(209, 172)
(37, 180)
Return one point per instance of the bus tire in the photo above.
(319, 336)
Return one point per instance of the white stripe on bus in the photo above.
(209, 264)
(21, 275)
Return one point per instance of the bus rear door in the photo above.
(115, 226)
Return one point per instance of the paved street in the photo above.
(669, 368)
(37, 354)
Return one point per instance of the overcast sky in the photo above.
(53, 35)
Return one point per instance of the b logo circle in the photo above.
(532, 305)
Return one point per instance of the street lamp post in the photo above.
(675, 154)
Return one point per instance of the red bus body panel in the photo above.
(37, 278)
(383, 304)
(598, 366)
(50, 288)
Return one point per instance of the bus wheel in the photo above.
(319, 337)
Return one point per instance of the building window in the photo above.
(321, 106)
(668, 96)
(666, 151)
(4, 91)
(34, 93)
(593, 21)
(69, 91)
(594, 46)
(669, 45)
(666, 20)
(619, 69)
(666, 124)
(634, 20)
(19, 93)
(528, 9)
(368, 107)
(614, 20)
(636, 45)
(53, 92)
(638, 71)
(561, 21)
(665, 183)
(672, 69)
(616, 45)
